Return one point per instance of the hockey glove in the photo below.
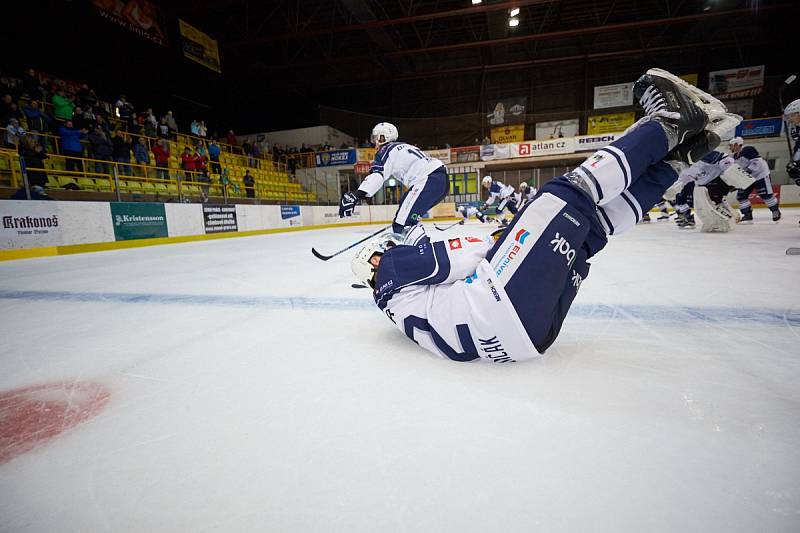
(349, 201)
(793, 169)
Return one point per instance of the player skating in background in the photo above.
(683, 202)
(498, 191)
(425, 177)
(526, 194)
(751, 162)
(714, 176)
(792, 117)
(467, 211)
(470, 299)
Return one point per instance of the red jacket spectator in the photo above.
(187, 160)
(232, 138)
(200, 162)
(161, 155)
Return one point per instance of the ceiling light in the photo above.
(514, 12)
(513, 22)
(476, 2)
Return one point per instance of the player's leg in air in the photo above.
(551, 239)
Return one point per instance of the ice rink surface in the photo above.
(243, 385)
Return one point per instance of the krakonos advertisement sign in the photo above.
(29, 224)
(219, 218)
(138, 220)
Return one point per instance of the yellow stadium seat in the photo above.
(65, 180)
(87, 184)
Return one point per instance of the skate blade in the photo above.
(704, 101)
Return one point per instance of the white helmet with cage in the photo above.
(487, 181)
(523, 186)
(384, 132)
(360, 264)
(792, 112)
(736, 141)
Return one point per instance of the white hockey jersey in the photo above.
(752, 163)
(404, 162)
(449, 302)
(499, 190)
(707, 169)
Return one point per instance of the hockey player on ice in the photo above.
(499, 190)
(467, 211)
(425, 177)
(751, 162)
(714, 176)
(792, 117)
(526, 193)
(469, 299)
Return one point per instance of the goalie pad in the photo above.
(736, 177)
(714, 217)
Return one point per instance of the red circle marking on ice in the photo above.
(33, 415)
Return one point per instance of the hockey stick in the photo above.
(459, 223)
(793, 251)
(326, 257)
(786, 83)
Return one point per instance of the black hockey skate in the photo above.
(776, 215)
(646, 218)
(685, 220)
(684, 111)
(747, 216)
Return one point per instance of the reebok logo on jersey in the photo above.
(454, 244)
(571, 219)
(563, 247)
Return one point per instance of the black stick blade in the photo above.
(320, 256)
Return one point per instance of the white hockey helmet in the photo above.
(792, 112)
(384, 132)
(734, 142)
(487, 181)
(360, 265)
(523, 186)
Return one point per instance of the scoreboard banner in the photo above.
(736, 82)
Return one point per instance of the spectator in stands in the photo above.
(161, 154)
(213, 154)
(172, 124)
(163, 129)
(194, 128)
(79, 121)
(123, 109)
(6, 110)
(150, 123)
(100, 121)
(10, 86)
(202, 130)
(34, 155)
(62, 109)
(255, 154)
(38, 120)
(71, 146)
(141, 153)
(201, 166)
(14, 132)
(122, 152)
(101, 148)
(231, 138)
(249, 184)
(86, 97)
(32, 86)
(187, 163)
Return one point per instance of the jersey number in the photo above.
(412, 322)
(417, 153)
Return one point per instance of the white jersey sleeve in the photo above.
(401, 161)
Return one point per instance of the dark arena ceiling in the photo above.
(445, 57)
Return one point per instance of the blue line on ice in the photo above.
(656, 313)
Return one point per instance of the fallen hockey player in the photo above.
(470, 299)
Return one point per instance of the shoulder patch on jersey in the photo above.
(454, 244)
